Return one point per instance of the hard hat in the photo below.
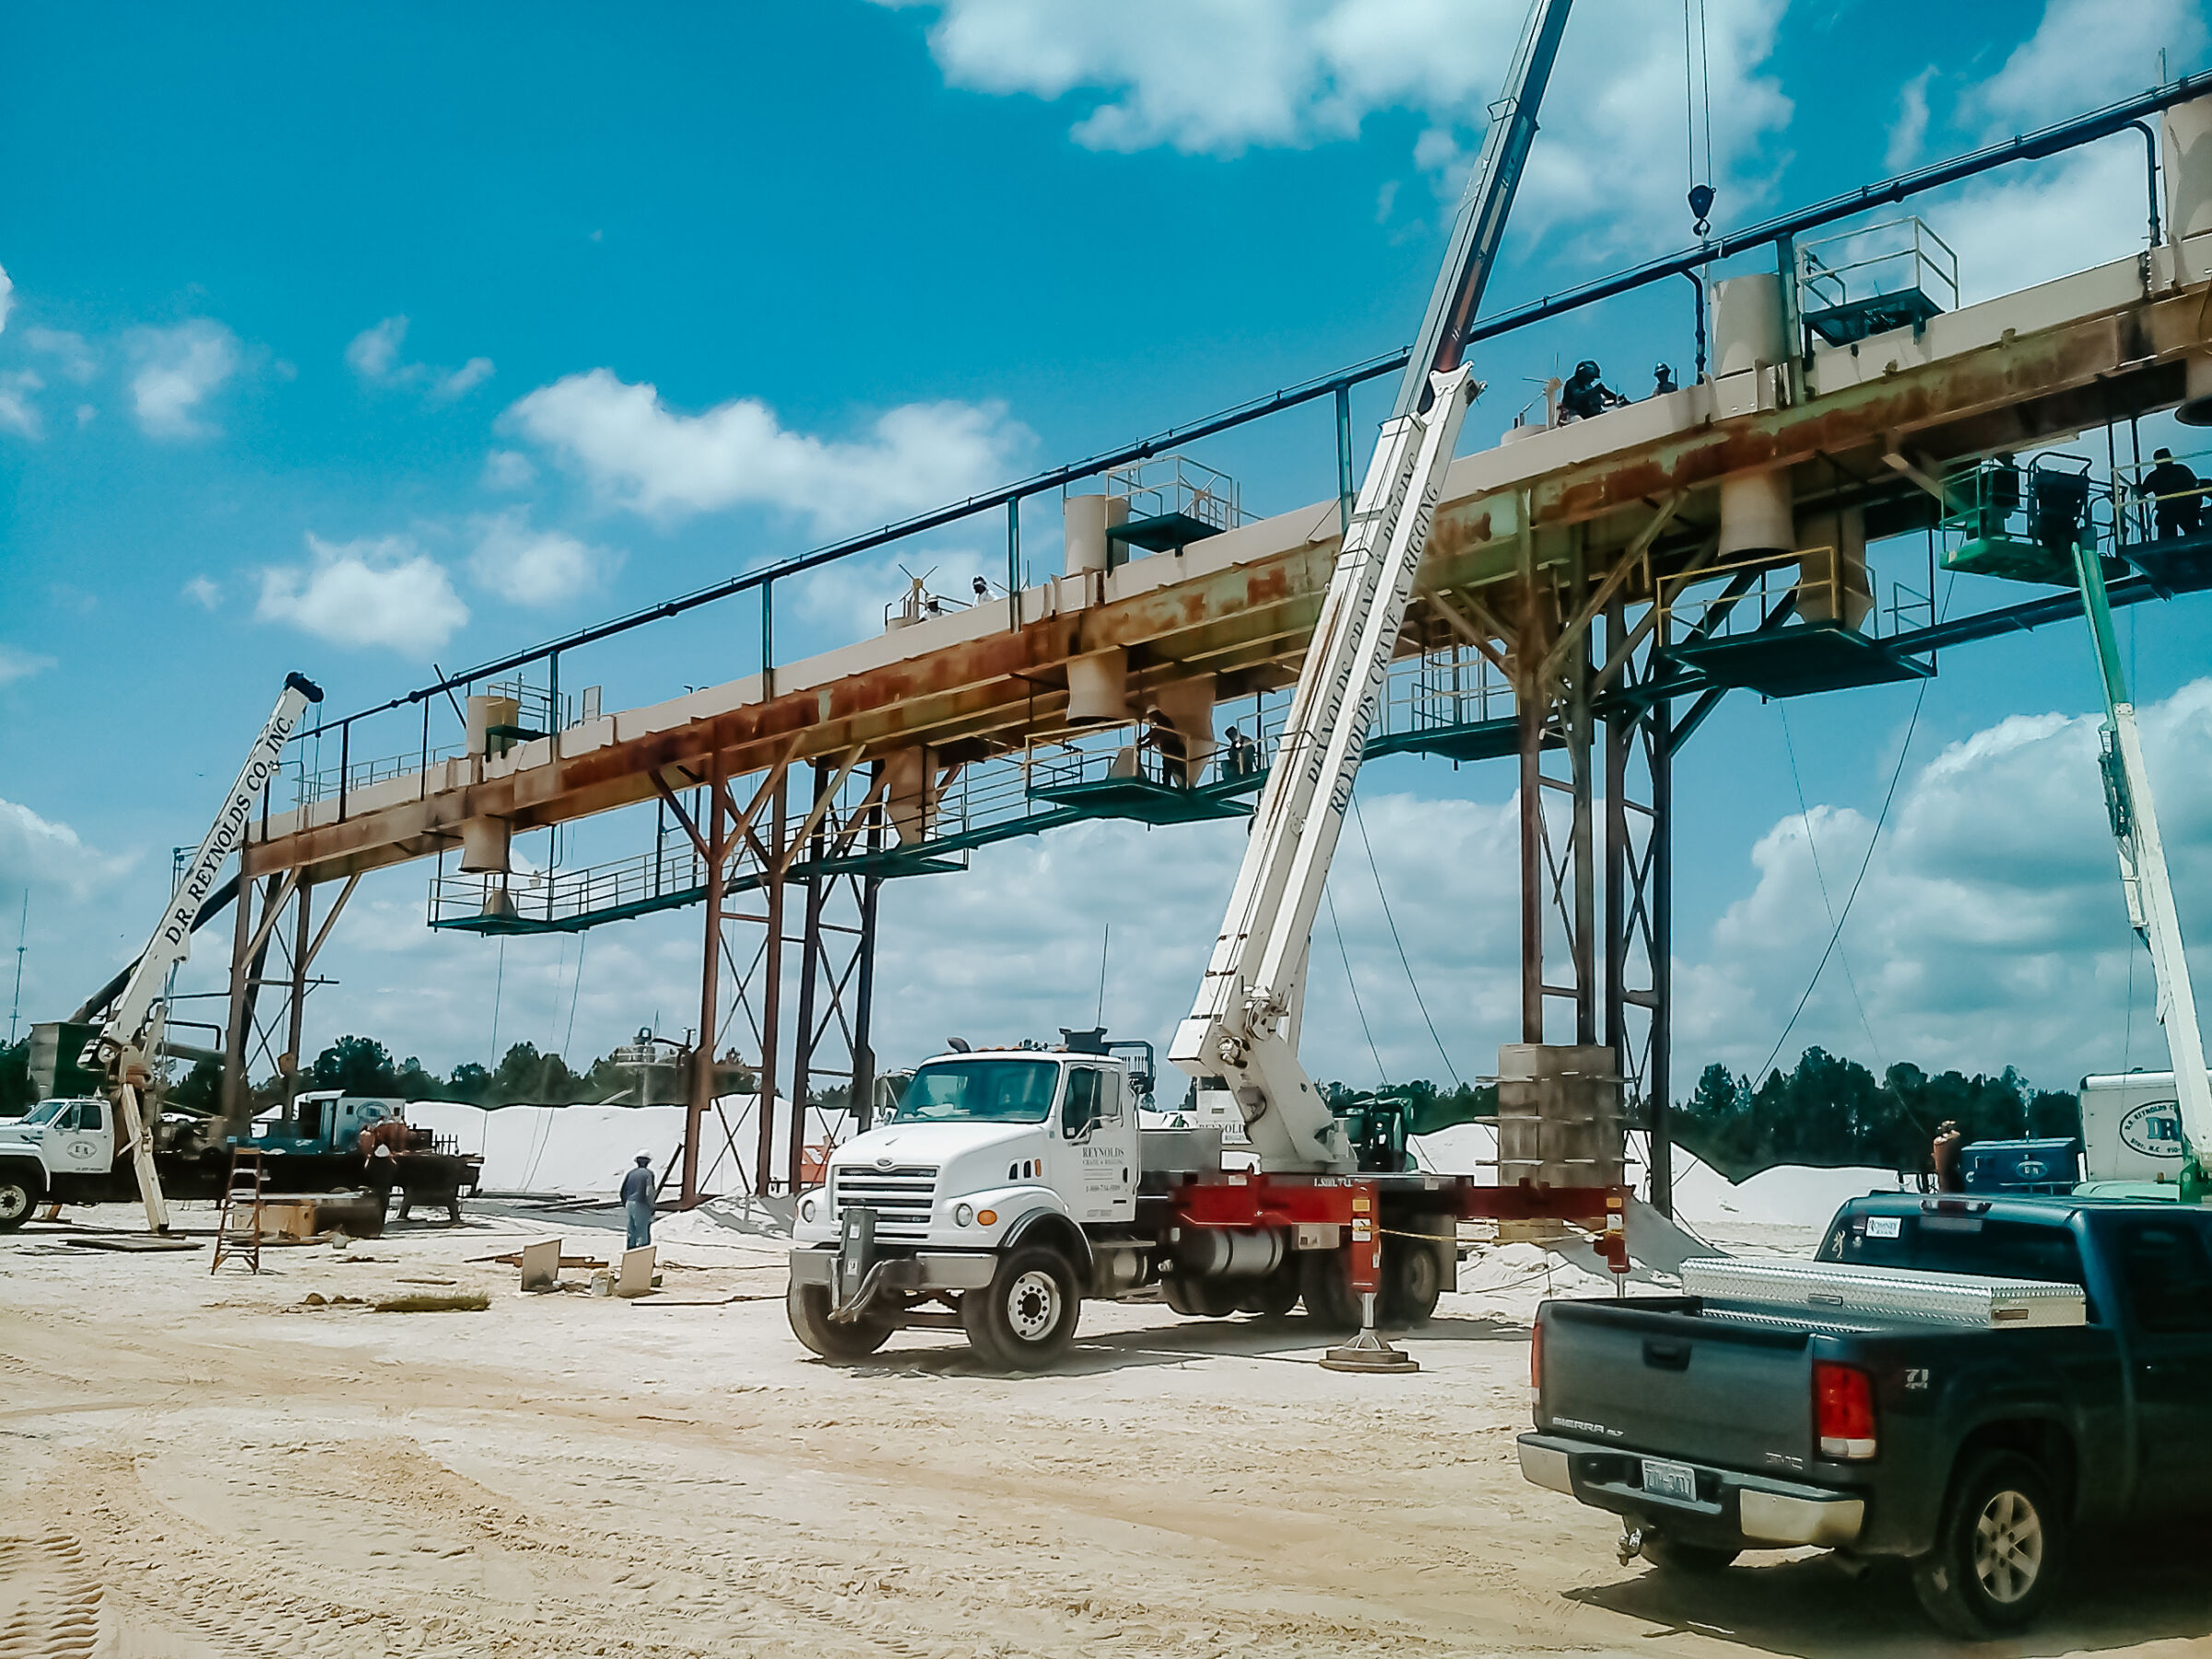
(644, 1155)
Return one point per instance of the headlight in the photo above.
(805, 1210)
(962, 1214)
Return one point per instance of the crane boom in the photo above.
(1240, 1027)
(2144, 878)
(120, 1049)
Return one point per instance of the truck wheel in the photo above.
(1274, 1296)
(808, 1306)
(1024, 1319)
(1324, 1280)
(1196, 1298)
(1998, 1550)
(16, 1201)
(1412, 1280)
(1671, 1554)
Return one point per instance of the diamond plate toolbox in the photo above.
(1827, 1289)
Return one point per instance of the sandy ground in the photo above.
(194, 1466)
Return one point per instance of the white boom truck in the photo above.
(1015, 1182)
(74, 1153)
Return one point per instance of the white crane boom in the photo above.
(120, 1051)
(1241, 1026)
(2144, 878)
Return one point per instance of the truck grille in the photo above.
(900, 1197)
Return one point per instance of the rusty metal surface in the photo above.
(1248, 622)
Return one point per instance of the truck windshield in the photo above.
(979, 1091)
(46, 1112)
(1956, 1243)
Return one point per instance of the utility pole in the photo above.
(22, 944)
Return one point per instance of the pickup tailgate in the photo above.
(1656, 1377)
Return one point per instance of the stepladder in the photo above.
(239, 1226)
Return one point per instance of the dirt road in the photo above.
(202, 1466)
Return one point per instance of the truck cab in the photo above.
(1023, 1157)
(321, 1120)
(60, 1151)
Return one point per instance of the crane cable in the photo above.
(1372, 869)
(1804, 815)
(1697, 73)
(1382, 1076)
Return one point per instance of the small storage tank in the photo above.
(911, 792)
(2186, 152)
(1748, 329)
(1085, 519)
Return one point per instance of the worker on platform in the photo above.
(1174, 751)
(2177, 500)
(1243, 757)
(638, 1190)
(1662, 380)
(1587, 396)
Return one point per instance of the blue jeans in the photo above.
(641, 1221)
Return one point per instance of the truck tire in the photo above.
(1412, 1279)
(1999, 1549)
(808, 1307)
(1198, 1298)
(1024, 1319)
(1671, 1554)
(17, 1202)
(1324, 1281)
(1275, 1296)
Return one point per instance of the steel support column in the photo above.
(708, 1044)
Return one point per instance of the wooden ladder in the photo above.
(238, 1227)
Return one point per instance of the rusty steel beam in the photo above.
(1247, 620)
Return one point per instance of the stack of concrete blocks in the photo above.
(1558, 1124)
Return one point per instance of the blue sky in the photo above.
(352, 340)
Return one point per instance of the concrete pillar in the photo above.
(1833, 570)
(1756, 514)
(1748, 324)
(1189, 706)
(1086, 519)
(911, 793)
(1097, 687)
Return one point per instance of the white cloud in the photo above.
(473, 373)
(2084, 54)
(85, 415)
(508, 469)
(374, 355)
(374, 352)
(1218, 77)
(535, 568)
(7, 297)
(639, 454)
(178, 370)
(77, 362)
(1991, 929)
(2031, 223)
(370, 591)
(17, 664)
(17, 413)
(42, 855)
(202, 592)
(1909, 131)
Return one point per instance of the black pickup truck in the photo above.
(1974, 1454)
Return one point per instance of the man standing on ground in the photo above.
(637, 1189)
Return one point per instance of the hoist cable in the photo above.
(1418, 1002)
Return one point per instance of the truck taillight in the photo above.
(1843, 1410)
(1535, 1356)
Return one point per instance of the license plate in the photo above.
(1663, 1479)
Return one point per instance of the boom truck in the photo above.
(1015, 1181)
(77, 1155)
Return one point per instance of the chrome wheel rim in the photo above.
(1034, 1305)
(2009, 1546)
(14, 1201)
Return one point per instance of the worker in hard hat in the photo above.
(1586, 394)
(638, 1190)
(1662, 380)
(2177, 502)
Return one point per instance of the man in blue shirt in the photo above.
(637, 1189)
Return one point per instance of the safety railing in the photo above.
(1780, 588)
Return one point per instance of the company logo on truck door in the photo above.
(2154, 1129)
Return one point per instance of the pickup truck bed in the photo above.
(1714, 1428)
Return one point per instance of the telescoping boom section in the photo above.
(120, 1050)
(1240, 1027)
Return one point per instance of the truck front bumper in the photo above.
(1731, 1510)
(934, 1270)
